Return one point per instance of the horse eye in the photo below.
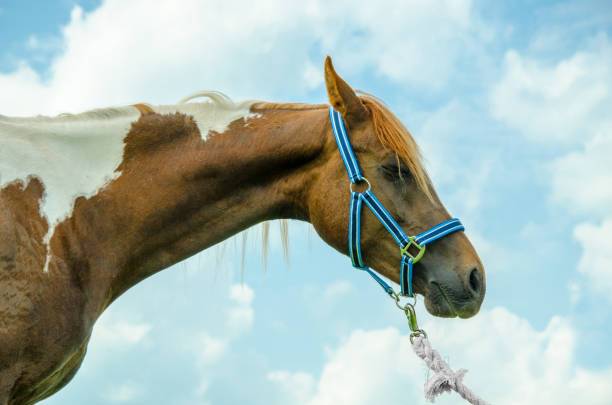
(395, 173)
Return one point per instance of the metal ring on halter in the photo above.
(419, 332)
(396, 298)
(362, 179)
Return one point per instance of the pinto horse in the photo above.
(93, 203)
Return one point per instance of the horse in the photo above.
(93, 203)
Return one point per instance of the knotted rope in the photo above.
(444, 379)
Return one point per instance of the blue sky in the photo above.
(510, 103)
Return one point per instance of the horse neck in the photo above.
(179, 194)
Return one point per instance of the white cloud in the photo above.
(211, 349)
(126, 51)
(322, 300)
(508, 362)
(565, 101)
(581, 180)
(596, 260)
(241, 315)
(242, 294)
(449, 138)
(43, 45)
(125, 392)
(496, 257)
(392, 43)
(574, 293)
(568, 102)
(338, 288)
(509, 359)
(119, 333)
(365, 369)
(23, 92)
(313, 75)
(298, 387)
(241, 318)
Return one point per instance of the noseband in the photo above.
(406, 243)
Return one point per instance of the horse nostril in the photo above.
(474, 282)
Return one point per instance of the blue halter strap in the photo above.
(407, 244)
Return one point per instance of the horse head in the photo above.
(450, 276)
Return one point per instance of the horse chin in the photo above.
(438, 305)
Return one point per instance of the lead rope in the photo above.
(444, 378)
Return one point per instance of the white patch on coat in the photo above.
(216, 115)
(77, 155)
(73, 156)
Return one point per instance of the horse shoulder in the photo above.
(41, 331)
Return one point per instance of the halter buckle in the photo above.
(405, 250)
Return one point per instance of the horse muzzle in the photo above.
(448, 294)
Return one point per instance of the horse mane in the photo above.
(218, 99)
(393, 135)
(266, 105)
(91, 115)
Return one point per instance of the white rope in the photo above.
(444, 379)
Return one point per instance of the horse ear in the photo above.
(342, 97)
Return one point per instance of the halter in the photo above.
(406, 243)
